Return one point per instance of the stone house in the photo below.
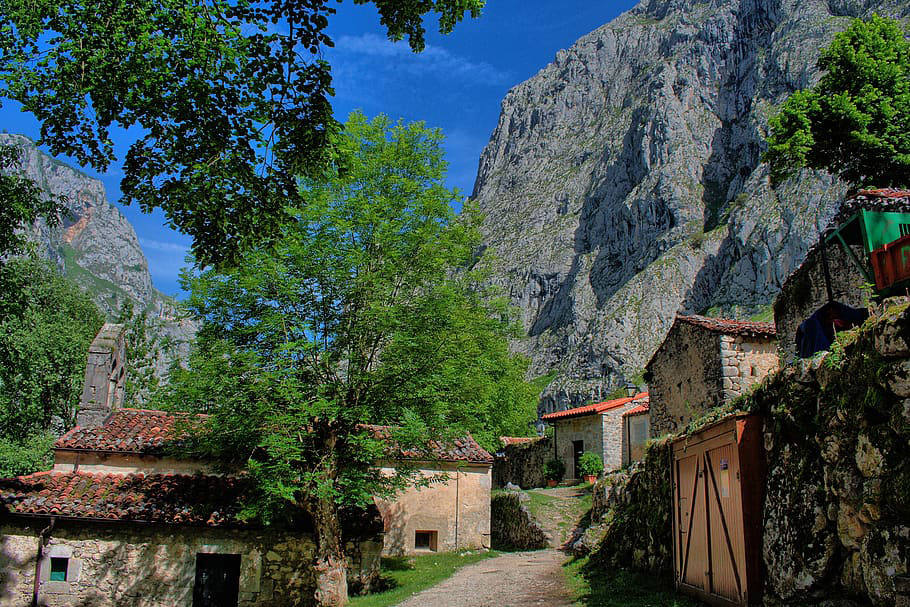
(636, 430)
(597, 427)
(450, 513)
(704, 363)
(117, 522)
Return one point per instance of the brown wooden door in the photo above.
(692, 557)
(725, 515)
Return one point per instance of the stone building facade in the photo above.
(597, 428)
(636, 429)
(704, 363)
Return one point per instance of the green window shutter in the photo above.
(58, 569)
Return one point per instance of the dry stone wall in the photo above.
(512, 526)
(523, 464)
(837, 507)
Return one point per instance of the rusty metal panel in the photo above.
(718, 476)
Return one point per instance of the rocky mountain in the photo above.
(95, 246)
(624, 182)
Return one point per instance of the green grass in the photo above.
(596, 588)
(405, 576)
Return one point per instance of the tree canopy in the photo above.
(230, 97)
(855, 123)
(46, 326)
(357, 316)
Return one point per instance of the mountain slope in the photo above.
(623, 182)
(96, 247)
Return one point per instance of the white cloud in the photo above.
(433, 60)
(162, 246)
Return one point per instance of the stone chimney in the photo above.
(105, 373)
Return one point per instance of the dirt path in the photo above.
(511, 580)
(559, 510)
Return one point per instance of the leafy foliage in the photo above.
(590, 463)
(356, 316)
(23, 202)
(20, 457)
(556, 470)
(856, 121)
(145, 346)
(231, 97)
(46, 326)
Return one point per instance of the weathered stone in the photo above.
(523, 464)
(869, 459)
(512, 526)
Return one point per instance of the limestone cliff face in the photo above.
(95, 246)
(624, 181)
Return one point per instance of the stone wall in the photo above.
(804, 292)
(745, 361)
(456, 508)
(523, 464)
(632, 509)
(684, 378)
(633, 449)
(837, 507)
(614, 443)
(511, 525)
(116, 565)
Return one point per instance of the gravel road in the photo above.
(512, 580)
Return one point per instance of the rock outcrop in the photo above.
(95, 246)
(624, 181)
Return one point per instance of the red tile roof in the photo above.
(639, 410)
(126, 431)
(204, 500)
(596, 408)
(463, 449)
(884, 193)
(729, 326)
(518, 440)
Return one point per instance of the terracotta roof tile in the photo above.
(596, 408)
(126, 431)
(463, 449)
(884, 193)
(639, 410)
(518, 440)
(203, 500)
(729, 326)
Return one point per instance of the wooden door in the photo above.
(217, 580)
(726, 541)
(578, 447)
(691, 561)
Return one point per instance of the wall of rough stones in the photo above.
(115, 565)
(685, 378)
(523, 464)
(837, 507)
(512, 526)
(589, 429)
(744, 362)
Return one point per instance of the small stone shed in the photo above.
(450, 513)
(597, 427)
(636, 430)
(704, 363)
(806, 289)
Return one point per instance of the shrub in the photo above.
(590, 463)
(556, 470)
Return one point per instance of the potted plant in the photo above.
(591, 465)
(555, 471)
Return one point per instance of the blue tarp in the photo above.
(817, 332)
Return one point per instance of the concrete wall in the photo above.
(745, 361)
(137, 566)
(465, 490)
(685, 378)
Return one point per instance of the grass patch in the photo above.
(405, 576)
(595, 588)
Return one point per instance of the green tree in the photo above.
(855, 122)
(231, 98)
(23, 203)
(46, 326)
(356, 316)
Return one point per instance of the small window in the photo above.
(425, 540)
(59, 566)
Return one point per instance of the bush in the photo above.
(33, 454)
(556, 470)
(590, 463)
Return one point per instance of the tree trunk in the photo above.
(331, 568)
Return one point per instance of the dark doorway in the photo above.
(578, 447)
(217, 580)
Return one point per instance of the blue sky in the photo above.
(456, 84)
